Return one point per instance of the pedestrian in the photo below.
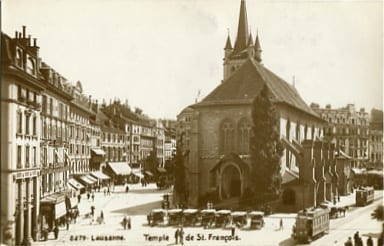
(102, 215)
(129, 222)
(281, 224)
(56, 231)
(338, 197)
(92, 210)
(177, 234)
(181, 233)
(126, 188)
(93, 196)
(78, 198)
(108, 191)
(105, 191)
(88, 195)
(67, 223)
(369, 241)
(334, 200)
(359, 242)
(233, 229)
(125, 223)
(348, 242)
(356, 237)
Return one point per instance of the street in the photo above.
(139, 201)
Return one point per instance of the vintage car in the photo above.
(239, 218)
(222, 218)
(156, 217)
(257, 219)
(207, 217)
(191, 217)
(175, 216)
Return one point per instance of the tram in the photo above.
(310, 224)
(364, 196)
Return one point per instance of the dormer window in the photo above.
(19, 58)
(31, 66)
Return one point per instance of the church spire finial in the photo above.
(228, 44)
(257, 47)
(242, 29)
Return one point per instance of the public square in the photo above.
(139, 201)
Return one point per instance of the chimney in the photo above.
(34, 42)
(24, 32)
(29, 40)
(16, 34)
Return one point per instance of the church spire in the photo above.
(250, 40)
(242, 30)
(257, 48)
(228, 44)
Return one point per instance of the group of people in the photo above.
(179, 236)
(358, 241)
(126, 222)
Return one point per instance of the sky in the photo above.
(158, 54)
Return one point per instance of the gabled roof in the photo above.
(246, 83)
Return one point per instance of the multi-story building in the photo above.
(79, 131)
(376, 139)
(348, 128)
(160, 142)
(54, 144)
(216, 132)
(21, 90)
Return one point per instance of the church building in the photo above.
(216, 131)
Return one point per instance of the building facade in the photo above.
(215, 132)
(348, 128)
(21, 92)
(376, 139)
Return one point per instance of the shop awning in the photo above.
(74, 184)
(98, 151)
(120, 168)
(100, 175)
(91, 178)
(86, 180)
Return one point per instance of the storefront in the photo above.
(87, 181)
(119, 171)
(102, 179)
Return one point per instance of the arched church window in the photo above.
(244, 130)
(227, 136)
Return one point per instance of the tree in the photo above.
(378, 213)
(266, 146)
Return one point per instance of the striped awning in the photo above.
(72, 183)
(98, 151)
(87, 180)
(99, 175)
(91, 178)
(120, 168)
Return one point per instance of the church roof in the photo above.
(246, 83)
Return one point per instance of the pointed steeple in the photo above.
(257, 49)
(242, 29)
(250, 40)
(228, 44)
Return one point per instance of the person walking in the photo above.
(93, 196)
(67, 222)
(129, 222)
(108, 191)
(281, 224)
(348, 242)
(105, 191)
(181, 236)
(125, 223)
(369, 241)
(88, 195)
(233, 229)
(177, 234)
(56, 231)
(356, 238)
(78, 198)
(102, 216)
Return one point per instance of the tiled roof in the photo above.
(246, 83)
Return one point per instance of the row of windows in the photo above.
(78, 149)
(29, 63)
(108, 137)
(29, 157)
(30, 123)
